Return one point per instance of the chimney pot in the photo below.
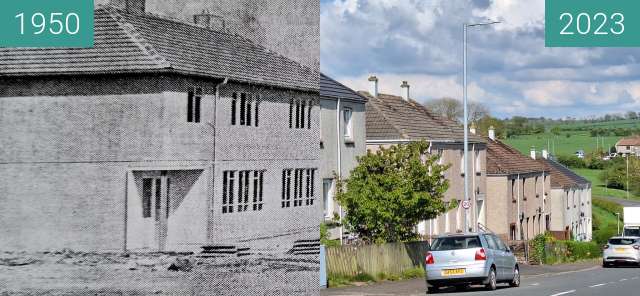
(209, 20)
(545, 154)
(405, 90)
(130, 6)
(472, 128)
(533, 152)
(373, 80)
(492, 133)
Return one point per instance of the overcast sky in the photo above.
(511, 71)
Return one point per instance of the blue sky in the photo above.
(511, 71)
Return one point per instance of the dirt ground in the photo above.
(71, 273)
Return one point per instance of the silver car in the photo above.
(466, 259)
(621, 250)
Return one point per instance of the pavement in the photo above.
(587, 278)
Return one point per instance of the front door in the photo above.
(155, 207)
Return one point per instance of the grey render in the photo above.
(83, 131)
(338, 152)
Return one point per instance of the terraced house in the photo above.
(517, 193)
(167, 135)
(393, 120)
(570, 201)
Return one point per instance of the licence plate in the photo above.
(620, 250)
(457, 271)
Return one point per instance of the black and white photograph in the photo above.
(178, 156)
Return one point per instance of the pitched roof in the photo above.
(503, 159)
(562, 177)
(629, 141)
(330, 88)
(126, 42)
(393, 118)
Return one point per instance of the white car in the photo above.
(621, 250)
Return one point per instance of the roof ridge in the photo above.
(136, 37)
(339, 83)
(192, 24)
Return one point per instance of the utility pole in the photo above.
(627, 157)
(466, 117)
(618, 224)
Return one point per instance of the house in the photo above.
(166, 136)
(517, 192)
(393, 120)
(342, 140)
(629, 146)
(570, 201)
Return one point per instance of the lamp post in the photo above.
(466, 116)
(618, 223)
(627, 157)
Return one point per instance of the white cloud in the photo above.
(515, 14)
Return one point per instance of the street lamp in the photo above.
(618, 223)
(466, 116)
(627, 157)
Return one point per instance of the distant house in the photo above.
(571, 206)
(629, 146)
(166, 135)
(342, 139)
(393, 120)
(517, 193)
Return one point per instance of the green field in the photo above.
(598, 188)
(560, 145)
(627, 123)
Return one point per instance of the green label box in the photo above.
(592, 23)
(46, 23)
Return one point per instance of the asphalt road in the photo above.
(624, 202)
(592, 281)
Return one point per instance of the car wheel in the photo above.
(432, 290)
(491, 285)
(516, 278)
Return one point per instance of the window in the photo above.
(513, 191)
(303, 189)
(327, 196)
(478, 162)
(456, 243)
(250, 184)
(247, 111)
(227, 191)
(147, 190)
(348, 126)
(194, 97)
(300, 113)
(491, 242)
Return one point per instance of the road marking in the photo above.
(622, 280)
(565, 292)
(598, 285)
(535, 284)
(634, 278)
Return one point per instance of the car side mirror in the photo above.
(508, 250)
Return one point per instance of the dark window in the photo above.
(227, 191)
(194, 97)
(303, 191)
(234, 103)
(243, 191)
(291, 113)
(258, 181)
(243, 103)
(286, 188)
(300, 113)
(158, 203)
(147, 190)
(309, 116)
(257, 104)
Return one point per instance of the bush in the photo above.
(572, 161)
(413, 273)
(570, 251)
(607, 205)
(601, 236)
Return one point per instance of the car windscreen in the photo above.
(632, 231)
(622, 241)
(456, 243)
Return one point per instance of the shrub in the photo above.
(572, 161)
(413, 273)
(570, 251)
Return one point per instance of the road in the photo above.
(624, 202)
(590, 281)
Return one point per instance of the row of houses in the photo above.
(170, 136)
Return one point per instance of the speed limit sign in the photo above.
(466, 204)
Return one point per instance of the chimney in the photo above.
(545, 154)
(472, 129)
(131, 6)
(492, 133)
(533, 152)
(405, 90)
(209, 20)
(373, 81)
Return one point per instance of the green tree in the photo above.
(391, 191)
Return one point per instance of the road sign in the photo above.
(466, 204)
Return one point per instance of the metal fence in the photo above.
(391, 258)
